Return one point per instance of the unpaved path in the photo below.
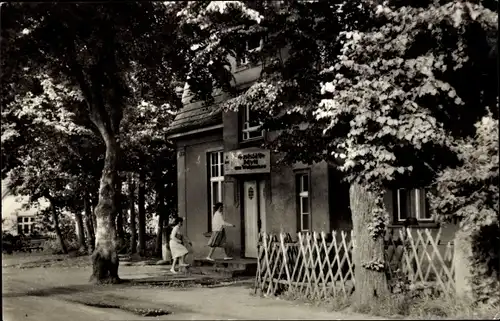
(59, 293)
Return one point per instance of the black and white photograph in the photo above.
(250, 160)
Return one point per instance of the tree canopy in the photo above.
(386, 91)
(394, 94)
(86, 59)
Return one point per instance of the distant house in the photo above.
(15, 219)
(219, 160)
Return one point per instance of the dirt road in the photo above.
(58, 293)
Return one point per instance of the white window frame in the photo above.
(420, 213)
(247, 129)
(219, 179)
(244, 61)
(304, 197)
(30, 223)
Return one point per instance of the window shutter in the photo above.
(394, 205)
(297, 201)
(208, 159)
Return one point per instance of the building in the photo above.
(218, 160)
(15, 219)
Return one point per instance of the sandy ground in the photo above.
(62, 292)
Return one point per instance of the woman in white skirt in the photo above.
(177, 248)
(218, 237)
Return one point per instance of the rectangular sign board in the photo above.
(247, 161)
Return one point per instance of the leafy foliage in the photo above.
(383, 90)
(398, 91)
(470, 193)
(91, 78)
(387, 91)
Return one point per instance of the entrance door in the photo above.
(254, 215)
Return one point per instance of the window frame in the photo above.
(246, 129)
(24, 222)
(302, 194)
(244, 61)
(416, 194)
(219, 180)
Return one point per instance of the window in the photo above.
(253, 44)
(411, 203)
(251, 125)
(216, 171)
(25, 225)
(303, 203)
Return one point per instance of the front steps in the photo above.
(235, 268)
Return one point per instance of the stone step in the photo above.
(237, 267)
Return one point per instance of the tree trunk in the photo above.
(370, 284)
(89, 224)
(141, 202)
(160, 211)
(133, 228)
(92, 214)
(80, 231)
(57, 228)
(105, 257)
(119, 216)
(159, 232)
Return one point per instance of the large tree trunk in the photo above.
(133, 227)
(105, 257)
(370, 284)
(141, 202)
(57, 228)
(89, 225)
(119, 216)
(80, 231)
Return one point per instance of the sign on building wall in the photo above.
(247, 161)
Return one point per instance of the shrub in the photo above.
(150, 245)
(52, 245)
(470, 193)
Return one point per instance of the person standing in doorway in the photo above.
(218, 237)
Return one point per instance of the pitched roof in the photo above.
(195, 115)
(192, 117)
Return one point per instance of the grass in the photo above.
(428, 308)
(406, 306)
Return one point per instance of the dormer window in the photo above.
(253, 44)
(251, 125)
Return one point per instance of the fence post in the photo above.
(462, 254)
